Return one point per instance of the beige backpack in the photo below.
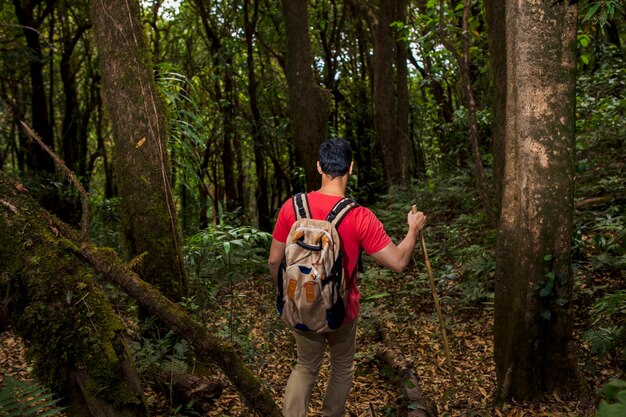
(312, 288)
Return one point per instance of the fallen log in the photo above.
(207, 346)
(417, 405)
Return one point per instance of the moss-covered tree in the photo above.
(51, 299)
(533, 294)
(137, 115)
(55, 303)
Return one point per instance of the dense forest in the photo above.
(147, 146)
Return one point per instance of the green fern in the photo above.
(23, 399)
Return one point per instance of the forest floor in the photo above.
(407, 310)
(406, 307)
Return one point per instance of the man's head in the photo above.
(335, 157)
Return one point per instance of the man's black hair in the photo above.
(335, 157)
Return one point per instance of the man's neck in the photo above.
(335, 186)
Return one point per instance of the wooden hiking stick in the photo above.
(436, 299)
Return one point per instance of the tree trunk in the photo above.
(53, 302)
(149, 217)
(309, 104)
(262, 200)
(497, 53)
(533, 301)
(390, 93)
(36, 158)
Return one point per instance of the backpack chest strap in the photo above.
(339, 211)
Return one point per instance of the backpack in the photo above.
(311, 285)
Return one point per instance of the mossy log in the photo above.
(417, 403)
(207, 346)
(50, 298)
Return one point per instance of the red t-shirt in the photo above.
(360, 229)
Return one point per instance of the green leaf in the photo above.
(226, 248)
(611, 410)
(592, 10)
(546, 314)
(376, 296)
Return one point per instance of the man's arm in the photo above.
(277, 252)
(395, 257)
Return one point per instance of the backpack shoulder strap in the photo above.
(301, 206)
(340, 210)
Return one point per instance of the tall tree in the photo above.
(218, 31)
(30, 21)
(497, 52)
(137, 115)
(390, 92)
(309, 104)
(258, 137)
(533, 300)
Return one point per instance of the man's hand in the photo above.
(416, 220)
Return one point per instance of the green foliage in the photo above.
(221, 255)
(614, 399)
(600, 11)
(608, 326)
(23, 399)
(168, 352)
(104, 222)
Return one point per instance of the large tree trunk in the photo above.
(533, 305)
(53, 302)
(309, 104)
(137, 114)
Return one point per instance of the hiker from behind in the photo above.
(315, 281)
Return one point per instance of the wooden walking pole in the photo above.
(436, 299)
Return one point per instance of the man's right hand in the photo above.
(416, 220)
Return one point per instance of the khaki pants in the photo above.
(311, 348)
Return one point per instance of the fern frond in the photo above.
(24, 399)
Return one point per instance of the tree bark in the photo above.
(53, 302)
(149, 218)
(309, 104)
(533, 301)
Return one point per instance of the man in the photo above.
(360, 229)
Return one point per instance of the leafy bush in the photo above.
(614, 402)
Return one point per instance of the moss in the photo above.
(59, 308)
